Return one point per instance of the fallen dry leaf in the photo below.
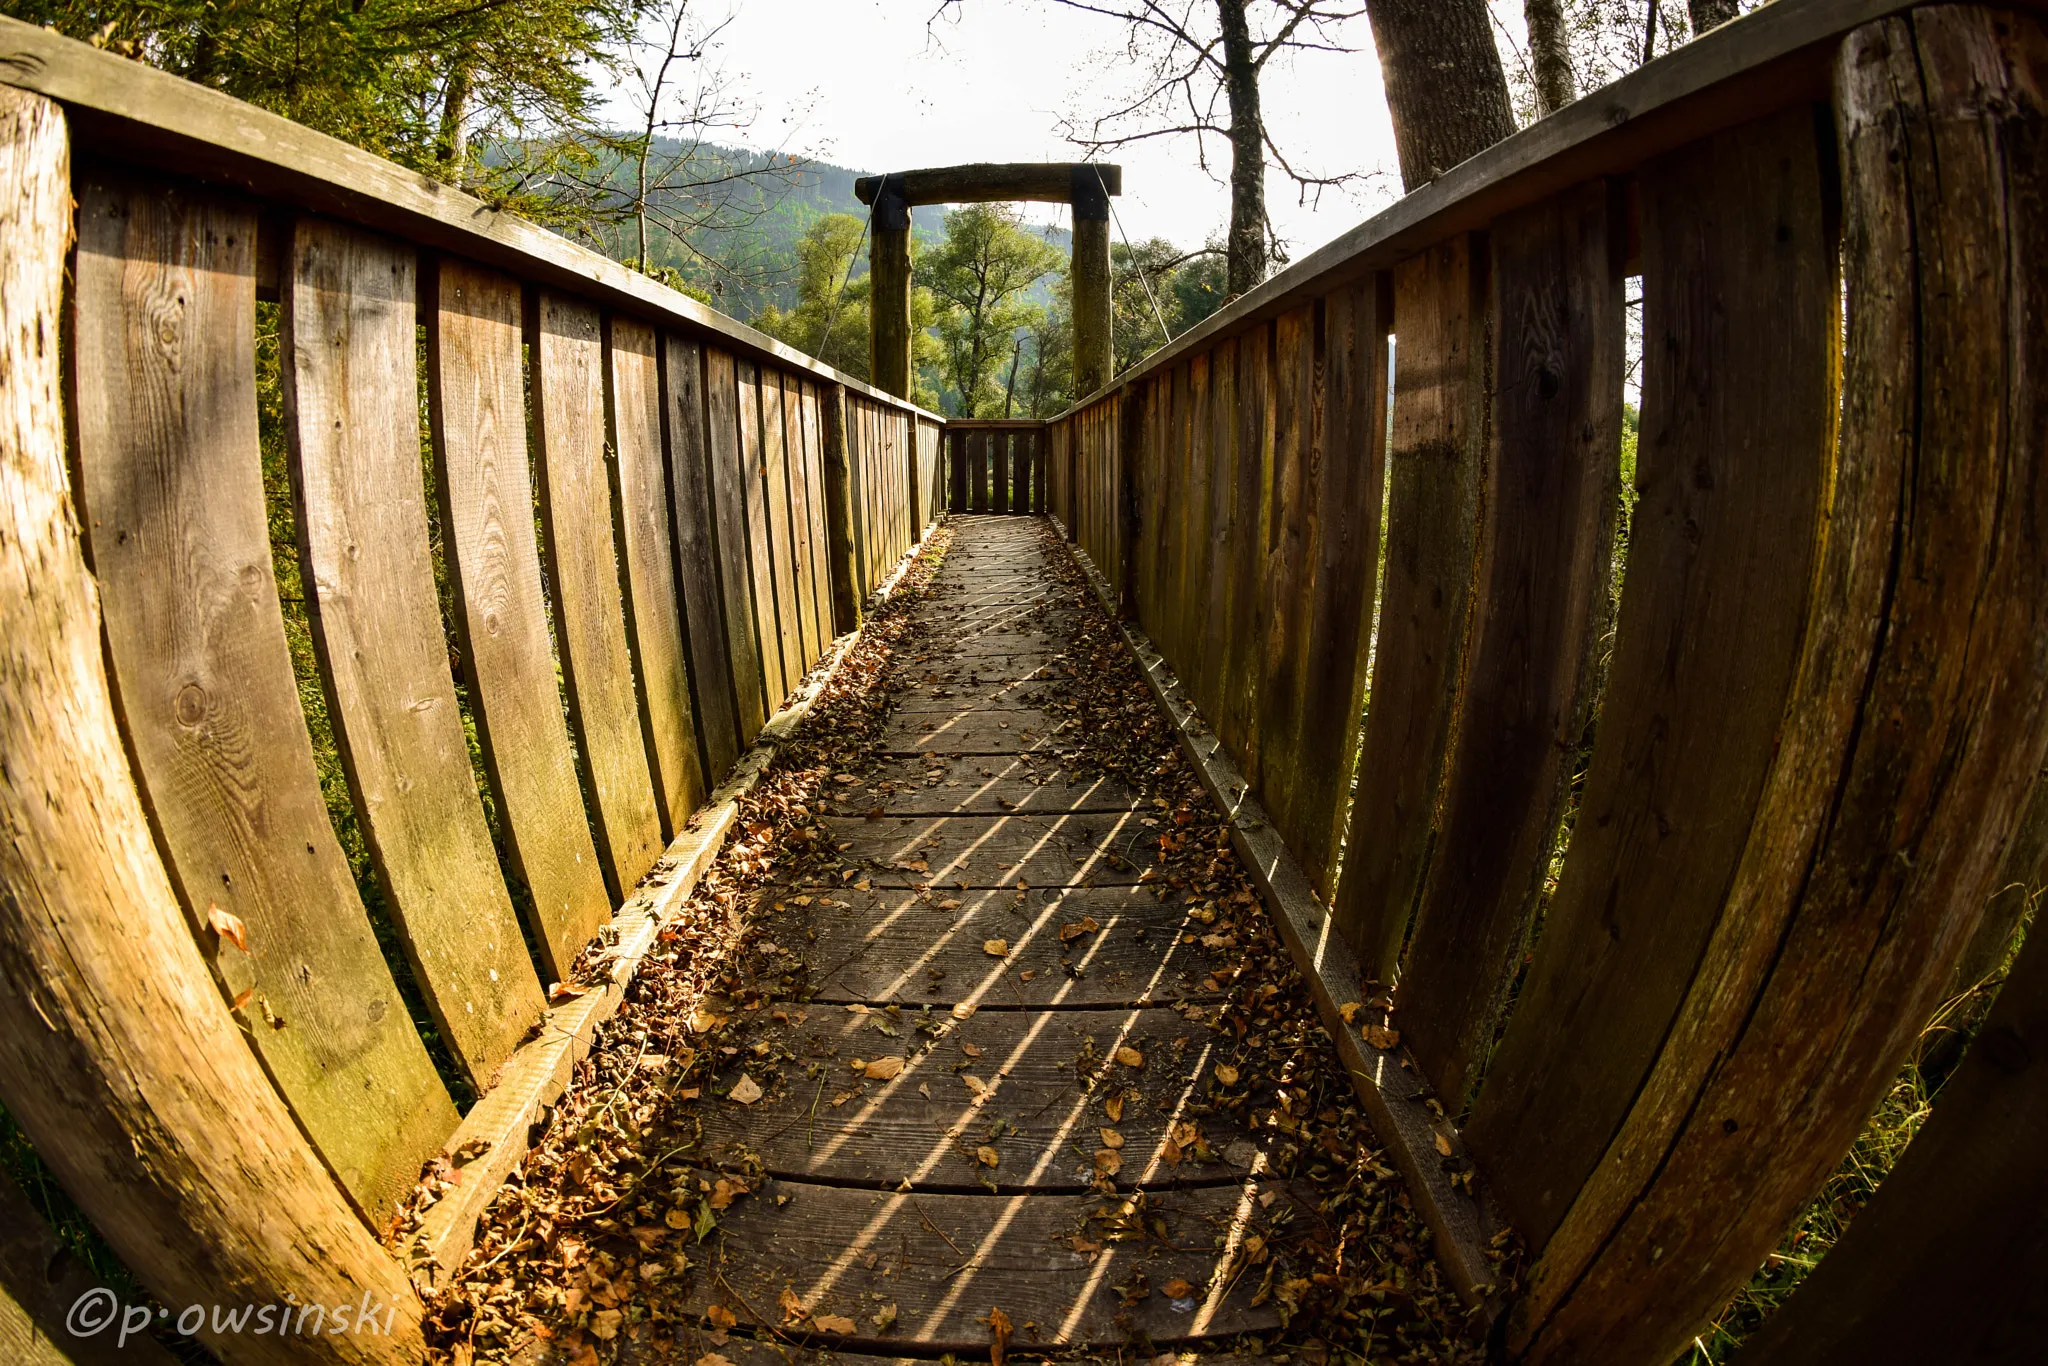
(746, 1090)
(721, 1317)
(1379, 1036)
(1075, 929)
(1176, 1289)
(1443, 1145)
(974, 1083)
(1111, 1138)
(1108, 1161)
(562, 991)
(999, 1332)
(885, 1318)
(884, 1069)
(228, 926)
(712, 1359)
(964, 1010)
(986, 1155)
(1226, 1074)
(972, 1050)
(1130, 1057)
(1114, 1107)
(1349, 1010)
(834, 1323)
(605, 1323)
(792, 1307)
(996, 948)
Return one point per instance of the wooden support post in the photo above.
(839, 512)
(889, 268)
(1094, 363)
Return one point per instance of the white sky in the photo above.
(861, 83)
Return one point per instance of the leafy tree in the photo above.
(1158, 292)
(830, 317)
(980, 274)
(418, 81)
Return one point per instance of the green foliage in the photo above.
(1156, 281)
(412, 80)
(830, 317)
(980, 275)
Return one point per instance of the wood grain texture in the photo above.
(566, 350)
(722, 406)
(905, 946)
(841, 538)
(654, 618)
(172, 482)
(699, 557)
(956, 470)
(1916, 724)
(927, 1121)
(118, 1055)
(1736, 442)
(351, 395)
(477, 407)
(812, 422)
(1953, 1225)
(1015, 1248)
(1216, 449)
(753, 486)
(1437, 469)
(771, 477)
(1546, 551)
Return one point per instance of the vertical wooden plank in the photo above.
(1287, 557)
(1322, 626)
(773, 480)
(654, 623)
(478, 409)
(753, 483)
(802, 556)
(1916, 723)
(1436, 463)
(1739, 311)
(1002, 471)
(981, 443)
(698, 554)
(1190, 511)
(163, 338)
(351, 392)
(1252, 440)
(1219, 455)
(813, 426)
(723, 394)
(566, 350)
(956, 456)
(841, 520)
(1546, 548)
(122, 1062)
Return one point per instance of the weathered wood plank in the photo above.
(351, 398)
(1740, 306)
(118, 1056)
(911, 947)
(722, 394)
(1546, 550)
(968, 732)
(654, 622)
(698, 555)
(752, 487)
(984, 784)
(1032, 1072)
(1916, 725)
(1051, 850)
(956, 471)
(811, 422)
(841, 525)
(943, 1258)
(478, 411)
(1252, 444)
(772, 478)
(163, 337)
(1216, 449)
(1436, 466)
(808, 647)
(566, 349)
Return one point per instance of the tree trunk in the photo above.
(1551, 52)
(1445, 87)
(1708, 14)
(1247, 240)
(454, 140)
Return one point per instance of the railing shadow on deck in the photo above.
(1804, 759)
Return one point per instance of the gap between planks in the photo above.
(1388, 1083)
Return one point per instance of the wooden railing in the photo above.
(995, 465)
(636, 524)
(1660, 831)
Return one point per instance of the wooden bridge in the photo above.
(1624, 845)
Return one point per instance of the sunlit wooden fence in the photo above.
(631, 526)
(1661, 820)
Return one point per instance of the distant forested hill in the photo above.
(743, 252)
